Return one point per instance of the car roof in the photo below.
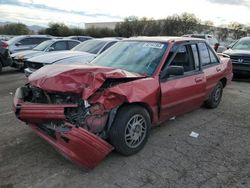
(107, 39)
(64, 39)
(164, 39)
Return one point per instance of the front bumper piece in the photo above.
(75, 143)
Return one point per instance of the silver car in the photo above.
(25, 42)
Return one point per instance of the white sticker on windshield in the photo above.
(153, 45)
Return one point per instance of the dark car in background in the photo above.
(80, 38)
(5, 59)
(52, 45)
(86, 51)
(240, 55)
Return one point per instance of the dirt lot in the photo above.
(219, 157)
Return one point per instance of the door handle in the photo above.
(218, 69)
(197, 80)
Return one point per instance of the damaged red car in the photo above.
(86, 111)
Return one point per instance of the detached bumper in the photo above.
(75, 143)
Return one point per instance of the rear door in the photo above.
(210, 65)
(181, 94)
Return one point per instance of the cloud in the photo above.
(38, 5)
(232, 2)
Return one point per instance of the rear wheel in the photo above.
(130, 130)
(215, 97)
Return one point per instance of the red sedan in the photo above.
(86, 111)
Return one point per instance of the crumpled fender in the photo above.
(141, 90)
(80, 79)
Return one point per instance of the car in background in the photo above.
(52, 45)
(240, 55)
(88, 50)
(80, 38)
(5, 59)
(210, 39)
(87, 111)
(25, 42)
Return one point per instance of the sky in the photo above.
(78, 12)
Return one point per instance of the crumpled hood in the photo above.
(80, 79)
(53, 57)
(232, 52)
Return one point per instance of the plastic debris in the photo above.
(194, 134)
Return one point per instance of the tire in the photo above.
(130, 130)
(1, 67)
(215, 96)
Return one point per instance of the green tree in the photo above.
(14, 29)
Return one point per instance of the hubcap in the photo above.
(135, 131)
(217, 94)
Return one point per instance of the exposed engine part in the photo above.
(87, 118)
(37, 95)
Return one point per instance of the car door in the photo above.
(181, 94)
(210, 65)
(24, 44)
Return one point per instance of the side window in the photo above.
(204, 54)
(184, 58)
(213, 57)
(39, 40)
(195, 55)
(26, 41)
(72, 44)
(108, 46)
(61, 45)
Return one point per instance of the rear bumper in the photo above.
(75, 143)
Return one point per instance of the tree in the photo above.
(57, 29)
(14, 29)
(237, 29)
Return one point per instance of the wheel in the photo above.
(215, 97)
(130, 130)
(1, 67)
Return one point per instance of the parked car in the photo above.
(5, 59)
(87, 111)
(88, 50)
(240, 56)
(210, 39)
(80, 38)
(25, 42)
(52, 45)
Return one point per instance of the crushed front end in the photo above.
(66, 121)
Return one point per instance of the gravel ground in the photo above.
(219, 157)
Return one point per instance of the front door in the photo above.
(181, 94)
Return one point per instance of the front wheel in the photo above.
(130, 130)
(215, 97)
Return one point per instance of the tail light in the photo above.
(4, 45)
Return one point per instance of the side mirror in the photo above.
(17, 44)
(51, 49)
(172, 70)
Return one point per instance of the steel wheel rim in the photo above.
(135, 131)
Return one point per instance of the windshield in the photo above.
(134, 56)
(243, 44)
(43, 45)
(90, 46)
